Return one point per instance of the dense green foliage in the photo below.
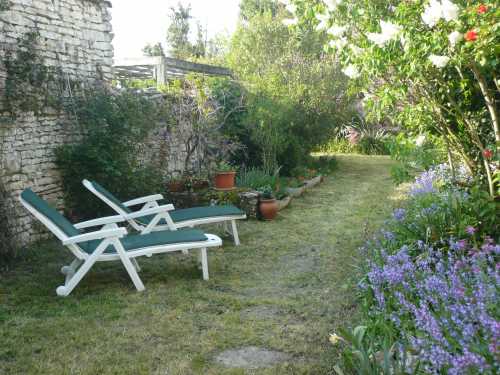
(113, 127)
(252, 8)
(414, 155)
(295, 94)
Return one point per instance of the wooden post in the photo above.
(161, 72)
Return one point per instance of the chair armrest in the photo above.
(99, 235)
(149, 198)
(100, 222)
(150, 211)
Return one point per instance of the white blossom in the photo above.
(437, 10)
(332, 4)
(389, 31)
(338, 43)
(290, 21)
(454, 38)
(291, 8)
(322, 17)
(450, 11)
(351, 71)
(337, 31)
(420, 140)
(432, 13)
(439, 61)
(356, 50)
(323, 25)
(377, 38)
(323, 21)
(286, 2)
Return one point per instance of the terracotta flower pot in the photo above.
(224, 180)
(200, 184)
(268, 208)
(176, 186)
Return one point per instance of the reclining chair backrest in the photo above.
(50, 217)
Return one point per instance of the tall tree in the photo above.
(178, 31)
(251, 8)
(153, 50)
(200, 46)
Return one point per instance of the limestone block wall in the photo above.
(75, 37)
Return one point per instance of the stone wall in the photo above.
(167, 145)
(74, 37)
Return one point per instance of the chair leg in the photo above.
(236, 237)
(204, 263)
(72, 281)
(129, 266)
(186, 251)
(71, 269)
(136, 264)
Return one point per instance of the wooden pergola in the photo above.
(162, 68)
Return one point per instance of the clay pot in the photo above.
(268, 208)
(200, 184)
(176, 186)
(224, 180)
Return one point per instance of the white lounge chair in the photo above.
(145, 221)
(112, 243)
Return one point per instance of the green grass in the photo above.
(291, 283)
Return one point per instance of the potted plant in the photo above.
(176, 185)
(268, 205)
(224, 177)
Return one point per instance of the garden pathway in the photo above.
(268, 308)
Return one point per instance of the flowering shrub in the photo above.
(432, 282)
(422, 64)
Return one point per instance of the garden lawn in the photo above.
(290, 284)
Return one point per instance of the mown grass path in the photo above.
(289, 285)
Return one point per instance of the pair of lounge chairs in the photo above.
(160, 227)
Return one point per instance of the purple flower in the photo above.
(424, 183)
(470, 230)
(399, 214)
(443, 302)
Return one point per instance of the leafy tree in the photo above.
(199, 48)
(178, 31)
(153, 50)
(295, 92)
(252, 8)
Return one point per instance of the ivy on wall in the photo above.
(30, 85)
(5, 5)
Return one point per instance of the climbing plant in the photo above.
(30, 85)
(5, 5)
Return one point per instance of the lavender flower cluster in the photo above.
(445, 303)
(441, 174)
(440, 293)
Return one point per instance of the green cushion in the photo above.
(133, 242)
(50, 213)
(196, 213)
(110, 196)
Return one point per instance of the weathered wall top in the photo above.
(74, 35)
